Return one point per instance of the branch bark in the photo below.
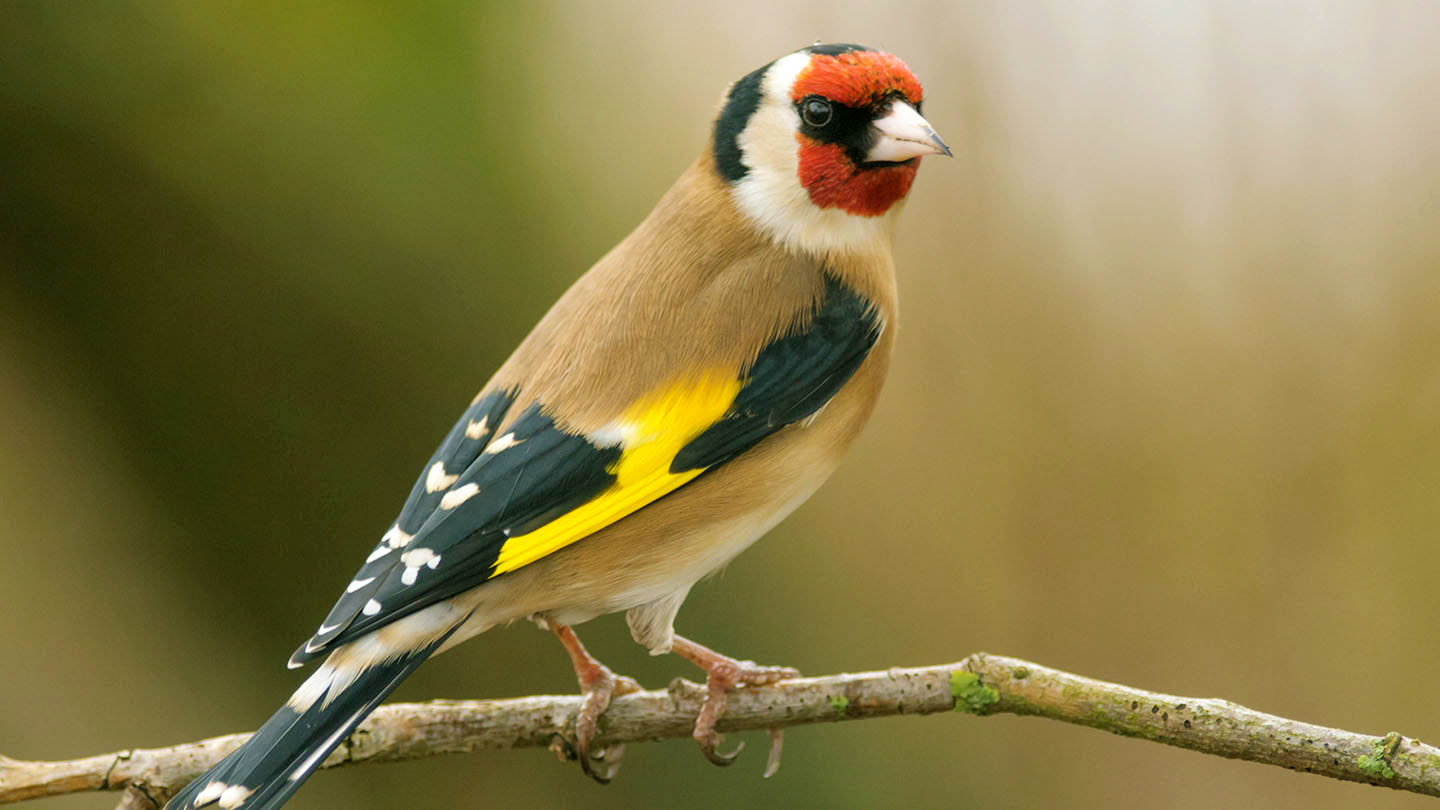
(980, 684)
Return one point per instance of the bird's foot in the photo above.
(723, 674)
(599, 686)
(605, 685)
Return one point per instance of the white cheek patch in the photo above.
(767, 144)
(770, 192)
(783, 211)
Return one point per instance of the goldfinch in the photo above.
(683, 397)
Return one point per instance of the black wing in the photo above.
(792, 378)
(468, 501)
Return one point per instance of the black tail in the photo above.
(273, 764)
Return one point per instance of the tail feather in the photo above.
(263, 773)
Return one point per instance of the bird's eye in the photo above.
(816, 111)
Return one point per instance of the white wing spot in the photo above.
(211, 792)
(436, 479)
(358, 584)
(459, 495)
(371, 608)
(316, 643)
(380, 551)
(476, 430)
(234, 796)
(503, 443)
(611, 435)
(417, 557)
(414, 559)
(396, 538)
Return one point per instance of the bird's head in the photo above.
(819, 147)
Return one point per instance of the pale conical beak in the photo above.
(902, 134)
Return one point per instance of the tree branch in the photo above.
(980, 684)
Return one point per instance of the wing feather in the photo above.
(486, 505)
(792, 378)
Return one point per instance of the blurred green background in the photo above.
(1165, 407)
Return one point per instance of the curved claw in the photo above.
(599, 685)
(610, 755)
(777, 744)
(723, 674)
(597, 700)
(707, 747)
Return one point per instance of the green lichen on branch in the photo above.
(971, 695)
(839, 703)
(1377, 763)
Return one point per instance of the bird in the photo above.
(686, 394)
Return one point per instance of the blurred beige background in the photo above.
(1165, 408)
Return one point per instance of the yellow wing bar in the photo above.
(652, 431)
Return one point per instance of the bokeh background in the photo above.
(1165, 407)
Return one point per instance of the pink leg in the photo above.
(599, 685)
(725, 673)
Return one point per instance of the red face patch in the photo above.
(834, 181)
(856, 79)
